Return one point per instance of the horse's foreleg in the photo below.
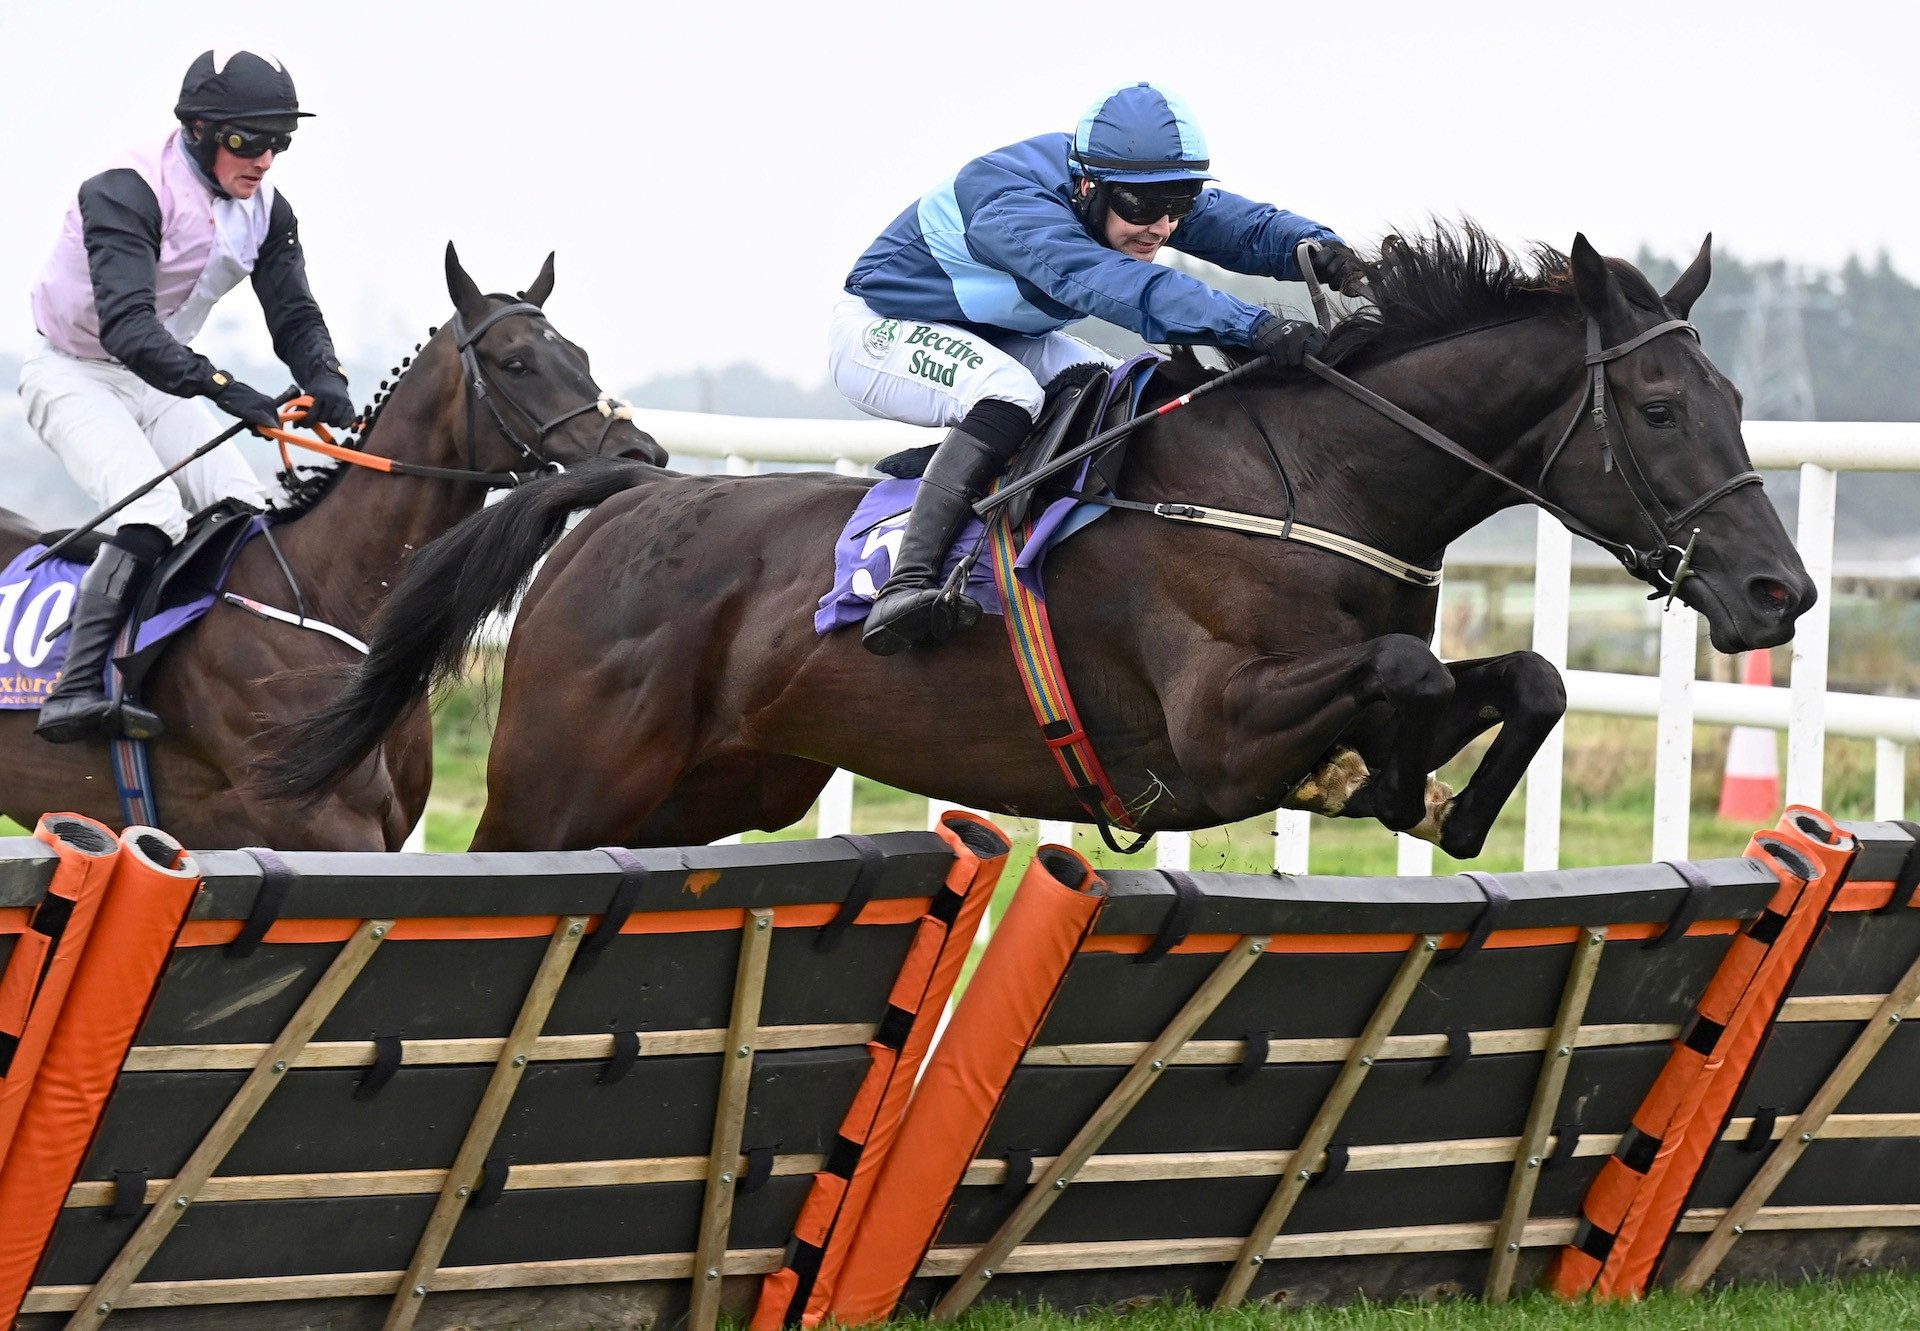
(1253, 739)
(1524, 695)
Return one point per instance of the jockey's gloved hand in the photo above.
(246, 403)
(332, 403)
(1339, 267)
(1287, 341)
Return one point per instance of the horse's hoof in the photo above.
(1329, 788)
(1439, 809)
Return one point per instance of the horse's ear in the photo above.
(1595, 286)
(542, 285)
(467, 300)
(1687, 287)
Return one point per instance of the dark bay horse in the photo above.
(664, 684)
(344, 549)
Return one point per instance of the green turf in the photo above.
(1875, 1302)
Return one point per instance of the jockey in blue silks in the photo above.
(953, 315)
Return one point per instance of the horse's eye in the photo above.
(1659, 414)
(515, 366)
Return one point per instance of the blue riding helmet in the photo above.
(1140, 133)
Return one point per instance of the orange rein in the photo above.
(295, 411)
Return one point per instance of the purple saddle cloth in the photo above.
(32, 602)
(863, 554)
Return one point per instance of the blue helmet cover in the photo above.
(1143, 133)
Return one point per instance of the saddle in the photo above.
(188, 580)
(1082, 400)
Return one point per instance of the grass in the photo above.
(1877, 1302)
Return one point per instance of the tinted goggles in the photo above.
(247, 141)
(1138, 205)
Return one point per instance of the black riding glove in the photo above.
(1339, 267)
(237, 399)
(332, 403)
(1288, 341)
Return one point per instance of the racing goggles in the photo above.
(250, 141)
(1139, 205)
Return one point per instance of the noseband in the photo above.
(483, 389)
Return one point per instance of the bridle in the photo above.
(1648, 563)
(481, 389)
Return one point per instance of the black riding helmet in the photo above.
(235, 87)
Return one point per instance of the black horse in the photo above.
(664, 683)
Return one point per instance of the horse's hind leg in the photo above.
(569, 771)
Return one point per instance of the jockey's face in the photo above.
(1138, 242)
(241, 176)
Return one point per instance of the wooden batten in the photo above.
(1252, 1252)
(1528, 1160)
(1140, 1078)
(419, 1277)
(730, 1116)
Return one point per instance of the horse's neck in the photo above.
(1358, 473)
(348, 549)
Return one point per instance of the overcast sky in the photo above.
(708, 173)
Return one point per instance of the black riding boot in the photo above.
(913, 610)
(79, 708)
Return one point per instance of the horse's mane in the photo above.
(307, 486)
(1455, 278)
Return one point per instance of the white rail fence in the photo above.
(1819, 450)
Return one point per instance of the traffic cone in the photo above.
(1750, 789)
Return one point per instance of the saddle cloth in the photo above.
(190, 579)
(1078, 406)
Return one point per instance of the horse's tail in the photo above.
(423, 632)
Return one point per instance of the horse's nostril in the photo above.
(1772, 596)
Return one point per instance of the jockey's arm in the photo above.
(121, 226)
(1247, 237)
(300, 337)
(1039, 240)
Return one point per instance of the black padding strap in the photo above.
(1688, 911)
(1760, 1136)
(894, 1028)
(275, 879)
(129, 1193)
(873, 862)
(1486, 921)
(626, 1052)
(1566, 1140)
(1338, 1153)
(759, 1170)
(1254, 1048)
(493, 1182)
(1637, 1150)
(1903, 886)
(1702, 1034)
(1179, 918)
(1594, 1241)
(386, 1062)
(1459, 1050)
(1019, 1169)
(633, 878)
(1767, 927)
(844, 1158)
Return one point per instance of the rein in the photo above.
(1648, 564)
(480, 388)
